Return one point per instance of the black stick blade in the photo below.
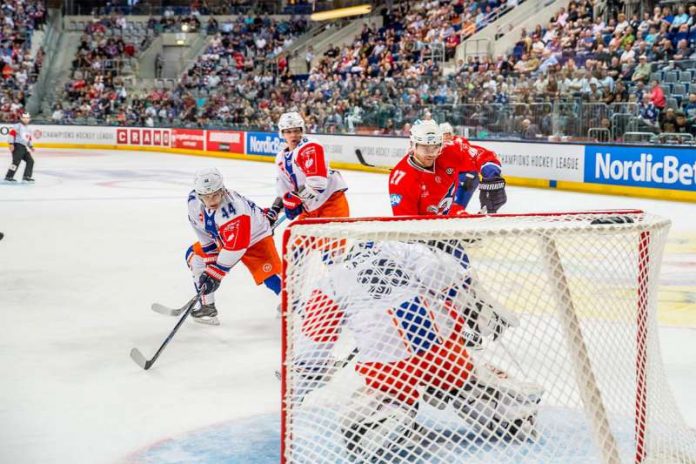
(139, 359)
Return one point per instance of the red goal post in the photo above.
(582, 287)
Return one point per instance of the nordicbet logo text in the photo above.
(648, 169)
(264, 144)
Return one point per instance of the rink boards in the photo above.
(660, 172)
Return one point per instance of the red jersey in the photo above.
(418, 191)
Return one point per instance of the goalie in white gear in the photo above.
(305, 184)
(230, 229)
(412, 311)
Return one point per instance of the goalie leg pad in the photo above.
(496, 406)
(374, 425)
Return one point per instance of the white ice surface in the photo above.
(101, 236)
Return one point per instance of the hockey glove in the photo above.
(492, 194)
(293, 205)
(272, 212)
(309, 193)
(271, 215)
(209, 281)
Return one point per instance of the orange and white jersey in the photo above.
(20, 133)
(394, 298)
(228, 231)
(307, 165)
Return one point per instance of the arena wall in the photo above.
(661, 172)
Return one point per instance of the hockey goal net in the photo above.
(505, 338)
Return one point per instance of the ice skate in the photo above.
(206, 314)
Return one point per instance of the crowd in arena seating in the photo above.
(18, 20)
(406, 47)
(575, 73)
(96, 89)
(235, 50)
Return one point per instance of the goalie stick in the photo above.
(340, 364)
(169, 311)
(146, 364)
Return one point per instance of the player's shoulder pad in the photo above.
(308, 145)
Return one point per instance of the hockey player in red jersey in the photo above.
(230, 229)
(305, 184)
(439, 178)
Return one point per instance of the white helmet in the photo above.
(446, 128)
(290, 120)
(208, 181)
(426, 133)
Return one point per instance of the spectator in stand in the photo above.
(657, 95)
(683, 50)
(648, 112)
(619, 95)
(682, 125)
(642, 71)
(529, 131)
(680, 18)
(690, 108)
(668, 121)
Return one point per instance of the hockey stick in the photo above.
(340, 364)
(138, 357)
(167, 311)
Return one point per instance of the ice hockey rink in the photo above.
(102, 235)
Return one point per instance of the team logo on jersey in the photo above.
(449, 171)
(229, 231)
(395, 199)
(267, 267)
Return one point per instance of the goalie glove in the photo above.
(494, 321)
(483, 315)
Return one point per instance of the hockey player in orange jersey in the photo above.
(230, 229)
(305, 184)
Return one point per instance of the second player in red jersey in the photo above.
(439, 177)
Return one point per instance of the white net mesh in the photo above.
(506, 339)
